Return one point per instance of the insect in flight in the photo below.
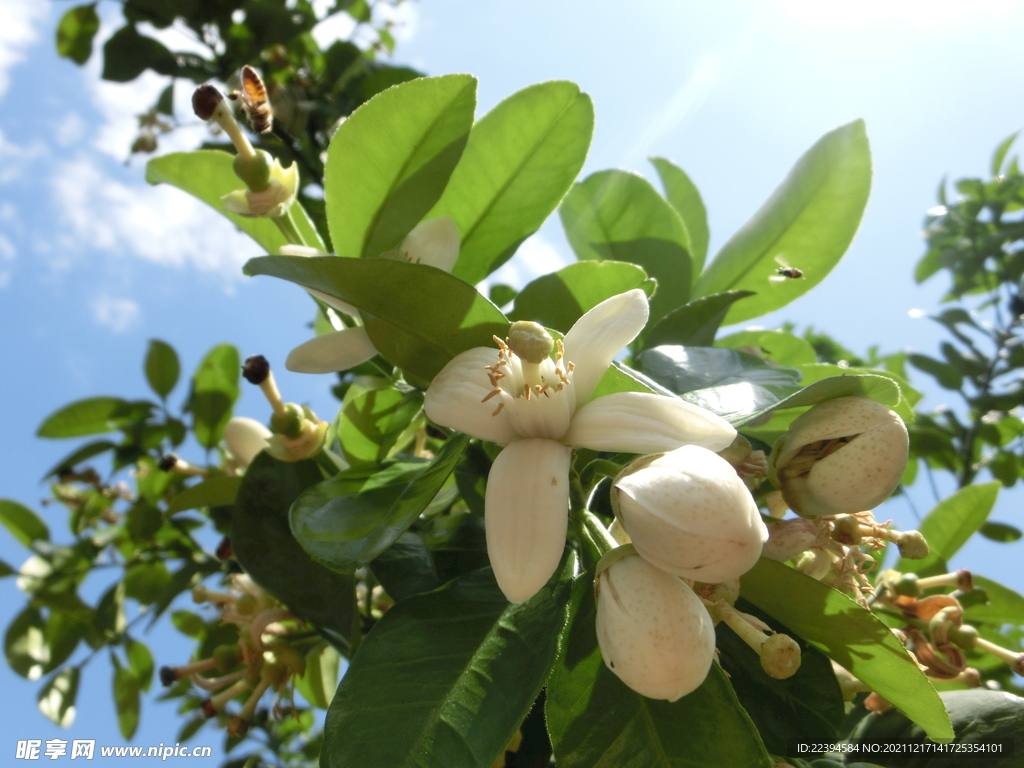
(253, 98)
(785, 272)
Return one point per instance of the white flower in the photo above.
(434, 242)
(654, 632)
(245, 438)
(845, 455)
(690, 514)
(271, 202)
(539, 411)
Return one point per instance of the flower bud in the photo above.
(843, 456)
(688, 513)
(245, 438)
(654, 632)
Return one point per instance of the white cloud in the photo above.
(160, 224)
(70, 129)
(535, 257)
(19, 30)
(116, 314)
(856, 15)
(7, 255)
(15, 158)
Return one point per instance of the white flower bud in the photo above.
(843, 456)
(245, 438)
(689, 513)
(654, 632)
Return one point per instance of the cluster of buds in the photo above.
(691, 529)
(250, 667)
(295, 431)
(270, 188)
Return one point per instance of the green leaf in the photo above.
(683, 195)
(63, 631)
(346, 521)
(24, 524)
(56, 700)
(618, 215)
(188, 623)
(372, 422)
(997, 157)
(146, 582)
(25, 644)
(459, 668)
(6, 569)
(219, 491)
(730, 383)
(851, 636)
(950, 524)
(694, 324)
(945, 374)
(91, 416)
(390, 160)
(162, 367)
(140, 660)
(406, 568)
(595, 721)
(320, 678)
(779, 347)
(214, 391)
(1005, 606)
(1001, 532)
(127, 54)
(126, 700)
(263, 544)
(408, 326)
(208, 175)
(520, 160)
(79, 455)
(75, 31)
(806, 707)
(808, 221)
(559, 299)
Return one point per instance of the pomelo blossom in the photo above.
(434, 242)
(539, 408)
(245, 438)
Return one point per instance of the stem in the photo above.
(286, 223)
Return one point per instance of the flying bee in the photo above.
(253, 98)
(785, 272)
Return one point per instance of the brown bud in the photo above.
(256, 369)
(205, 100)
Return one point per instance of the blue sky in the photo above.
(93, 262)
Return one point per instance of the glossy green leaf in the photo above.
(950, 524)
(217, 491)
(808, 222)
(683, 195)
(406, 322)
(779, 347)
(24, 524)
(91, 416)
(346, 521)
(75, 31)
(694, 324)
(140, 661)
(214, 391)
(64, 630)
(851, 636)
(459, 668)
(389, 162)
(806, 707)
(595, 721)
(372, 422)
(56, 700)
(406, 567)
(188, 623)
(520, 160)
(320, 678)
(262, 542)
(208, 175)
(162, 367)
(127, 54)
(559, 299)
(79, 455)
(25, 644)
(618, 215)
(944, 374)
(126, 700)
(730, 383)
(146, 581)
(1005, 606)
(1001, 532)
(622, 378)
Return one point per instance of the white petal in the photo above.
(637, 422)
(336, 351)
(330, 301)
(455, 398)
(434, 242)
(597, 337)
(237, 202)
(300, 250)
(245, 438)
(526, 514)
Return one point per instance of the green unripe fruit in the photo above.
(255, 171)
(289, 423)
(226, 657)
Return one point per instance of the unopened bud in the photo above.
(780, 656)
(912, 545)
(845, 455)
